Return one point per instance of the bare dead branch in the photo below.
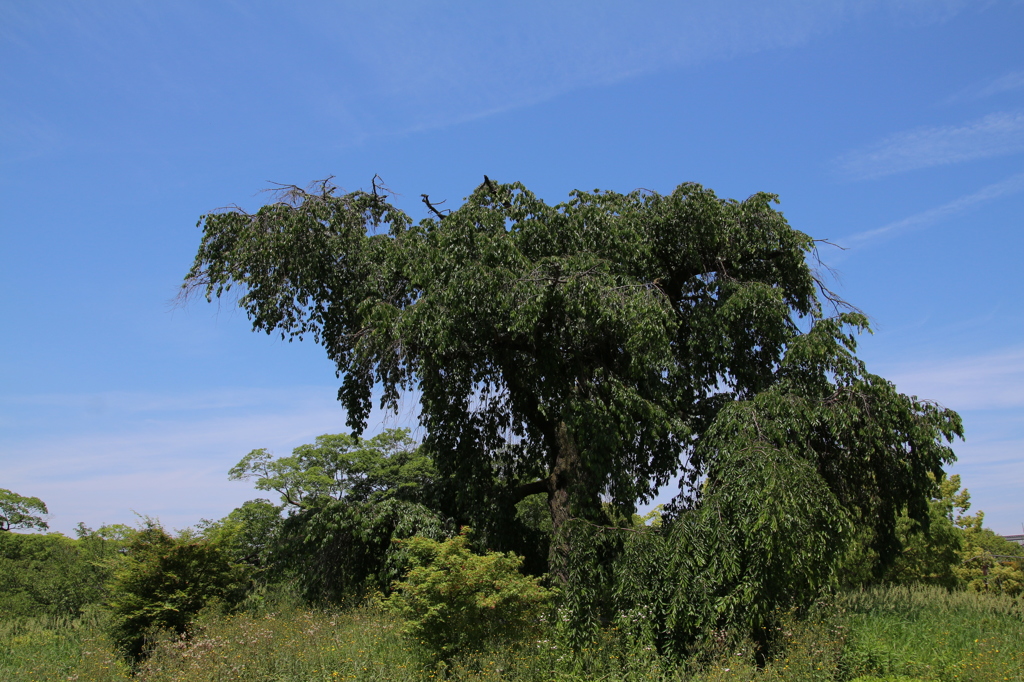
(825, 241)
(377, 182)
(440, 216)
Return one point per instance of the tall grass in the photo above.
(58, 648)
(919, 633)
(932, 634)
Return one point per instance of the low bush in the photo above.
(164, 583)
(453, 600)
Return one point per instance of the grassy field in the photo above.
(894, 634)
(934, 634)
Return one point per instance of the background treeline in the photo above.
(55, 575)
(360, 522)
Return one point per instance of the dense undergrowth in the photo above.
(892, 633)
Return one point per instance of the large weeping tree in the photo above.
(591, 350)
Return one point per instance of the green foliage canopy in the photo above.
(248, 534)
(342, 550)
(341, 466)
(989, 562)
(583, 348)
(348, 499)
(583, 345)
(52, 574)
(164, 582)
(930, 552)
(453, 599)
(18, 511)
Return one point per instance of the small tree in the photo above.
(18, 511)
(248, 534)
(453, 598)
(346, 498)
(342, 550)
(989, 562)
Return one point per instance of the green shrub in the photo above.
(339, 552)
(453, 599)
(164, 583)
(51, 574)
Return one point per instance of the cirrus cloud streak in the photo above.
(997, 134)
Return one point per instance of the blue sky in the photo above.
(895, 129)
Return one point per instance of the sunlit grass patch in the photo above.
(932, 634)
(359, 644)
(881, 635)
(58, 648)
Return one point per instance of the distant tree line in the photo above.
(350, 514)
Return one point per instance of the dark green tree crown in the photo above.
(595, 347)
(630, 318)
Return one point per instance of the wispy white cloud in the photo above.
(1006, 82)
(442, 62)
(174, 467)
(988, 391)
(133, 402)
(161, 455)
(993, 472)
(382, 68)
(989, 87)
(997, 134)
(993, 381)
(1011, 185)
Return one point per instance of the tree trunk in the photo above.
(558, 483)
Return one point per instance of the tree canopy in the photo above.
(348, 500)
(18, 511)
(341, 466)
(592, 350)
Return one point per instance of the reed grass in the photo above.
(932, 634)
(58, 648)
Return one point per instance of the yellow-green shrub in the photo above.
(453, 599)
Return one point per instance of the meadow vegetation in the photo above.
(145, 604)
(896, 634)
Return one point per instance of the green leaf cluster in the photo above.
(454, 600)
(21, 512)
(622, 321)
(164, 582)
(346, 498)
(54, 575)
(248, 534)
(342, 467)
(342, 551)
(988, 562)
